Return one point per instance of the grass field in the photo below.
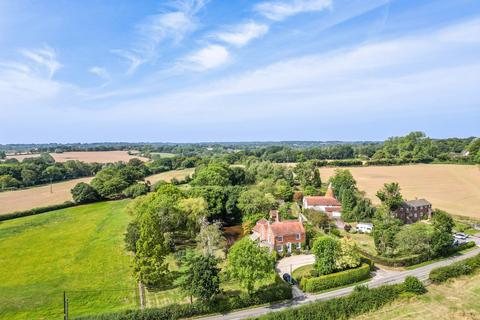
(86, 156)
(35, 197)
(457, 300)
(79, 250)
(454, 188)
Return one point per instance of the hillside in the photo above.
(79, 250)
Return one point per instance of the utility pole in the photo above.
(51, 186)
(65, 306)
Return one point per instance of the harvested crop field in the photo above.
(86, 156)
(454, 188)
(35, 197)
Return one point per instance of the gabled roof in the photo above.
(321, 201)
(417, 203)
(287, 227)
(259, 223)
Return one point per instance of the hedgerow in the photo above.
(464, 267)
(34, 211)
(338, 279)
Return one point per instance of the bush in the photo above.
(136, 190)
(358, 302)
(464, 267)
(337, 279)
(413, 285)
(220, 304)
(84, 193)
(34, 211)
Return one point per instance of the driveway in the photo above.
(288, 264)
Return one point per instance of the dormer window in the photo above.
(298, 236)
(280, 239)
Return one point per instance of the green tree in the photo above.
(385, 229)
(109, 183)
(131, 236)
(249, 263)
(84, 193)
(136, 190)
(3, 155)
(210, 238)
(307, 174)
(414, 239)
(253, 201)
(390, 196)
(348, 200)
(214, 174)
(29, 177)
(325, 250)
(442, 221)
(442, 238)
(341, 180)
(283, 190)
(347, 256)
(152, 247)
(195, 210)
(199, 276)
(7, 181)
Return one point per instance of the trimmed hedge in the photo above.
(413, 259)
(278, 292)
(34, 211)
(464, 267)
(358, 302)
(336, 279)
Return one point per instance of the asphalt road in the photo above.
(421, 273)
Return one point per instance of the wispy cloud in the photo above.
(280, 10)
(207, 58)
(242, 34)
(44, 58)
(171, 25)
(100, 72)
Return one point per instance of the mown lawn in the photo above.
(79, 250)
(454, 300)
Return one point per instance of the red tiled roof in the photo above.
(333, 209)
(259, 223)
(288, 227)
(321, 201)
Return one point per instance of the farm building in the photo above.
(279, 235)
(327, 203)
(414, 210)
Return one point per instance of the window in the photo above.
(298, 236)
(279, 248)
(280, 239)
(299, 245)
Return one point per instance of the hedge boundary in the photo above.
(35, 211)
(464, 267)
(280, 291)
(337, 279)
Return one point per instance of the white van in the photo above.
(365, 227)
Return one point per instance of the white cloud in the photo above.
(280, 10)
(210, 57)
(100, 72)
(241, 34)
(155, 29)
(45, 58)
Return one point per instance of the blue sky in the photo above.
(200, 70)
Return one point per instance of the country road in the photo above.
(421, 273)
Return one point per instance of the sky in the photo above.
(237, 70)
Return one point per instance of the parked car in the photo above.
(460, 236)
(288, 278)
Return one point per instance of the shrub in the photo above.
(358, 302)
(413, 285)
(464, 267)
(84, 193)
(337, 279)
(136, 190)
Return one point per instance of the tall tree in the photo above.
(249, 263)
(199, 276)
(384, 232)
(442, 238)
(390, 196)
(210, 238)
(325, 250)
(347, 256)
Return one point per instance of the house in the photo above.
(365, 227)
(327, 203)
(414, 210)
(279, 235)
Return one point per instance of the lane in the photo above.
(421, 273)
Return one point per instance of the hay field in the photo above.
(86, 156)
(25, 199)
(454, 188)
(169, 175)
